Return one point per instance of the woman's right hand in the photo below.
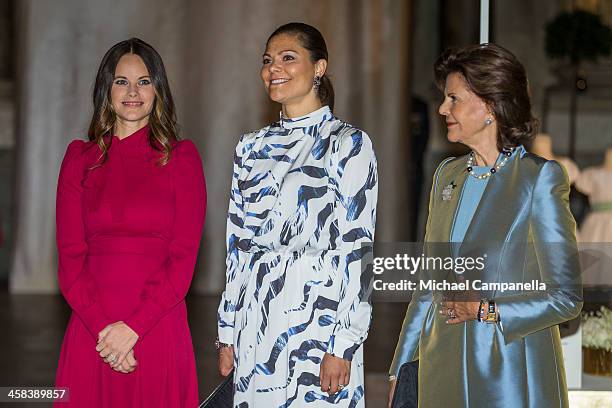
(128, 365)
(391, 392)
(226, 360)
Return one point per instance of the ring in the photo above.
(449, 312)
(341, 386)
(111, 357)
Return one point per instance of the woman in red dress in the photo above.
(130, 211)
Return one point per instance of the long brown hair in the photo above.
(497, 77)
(162, 120)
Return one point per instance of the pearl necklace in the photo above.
(507, 152)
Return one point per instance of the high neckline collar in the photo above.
(139, 135)
(313, 118)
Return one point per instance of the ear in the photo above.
(320, 67)
(490, 111)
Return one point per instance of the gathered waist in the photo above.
(286, 255)
(145, 245)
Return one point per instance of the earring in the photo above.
(488, 121)
(316, 82)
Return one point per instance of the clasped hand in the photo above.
(115, 345)
(459, 311)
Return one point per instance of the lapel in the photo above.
(443, 211)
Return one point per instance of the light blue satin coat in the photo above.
(524, 224)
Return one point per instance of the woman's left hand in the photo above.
(114, 342)
(459, 312)
(335, 374)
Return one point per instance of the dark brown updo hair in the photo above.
(495, 75)
(162, 120)
(312, 40)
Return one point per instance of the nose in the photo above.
(274, 66)
(443, 109)
(132, 90)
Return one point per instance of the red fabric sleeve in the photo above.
(168, 287)
(75, 282)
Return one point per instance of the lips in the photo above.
(132, 104)
(450, 124)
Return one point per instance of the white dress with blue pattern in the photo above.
(302, 206)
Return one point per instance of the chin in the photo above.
(278, 97)
(132, 117)
(453, 138)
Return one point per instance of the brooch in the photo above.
(447, 192)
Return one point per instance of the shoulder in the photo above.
(248, 140)
(532, 161)
(544, 168)
(347, 137)
(185, 151)
(250, 137)
(79, 151)
(78, 147)
(185, 146)
(449, 163)
(549, 176)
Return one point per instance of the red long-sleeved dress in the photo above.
(128, 234)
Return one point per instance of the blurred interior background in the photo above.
(381, 57)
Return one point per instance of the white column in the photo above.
(484, 21)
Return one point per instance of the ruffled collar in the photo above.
(313, 118)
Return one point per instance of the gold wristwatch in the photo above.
(491, 315)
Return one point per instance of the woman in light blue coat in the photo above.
(493, 348)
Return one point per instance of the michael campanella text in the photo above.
(443, 285)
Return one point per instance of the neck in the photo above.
(308, 104)
(125, 128)
(485, 154)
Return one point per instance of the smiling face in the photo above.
(288, 72)
(132, 92)
(465, 113)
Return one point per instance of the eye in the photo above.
(144, 82)
(266, 60)
(121, 81)
(288, 57)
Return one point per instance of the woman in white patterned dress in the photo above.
(296, 311)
